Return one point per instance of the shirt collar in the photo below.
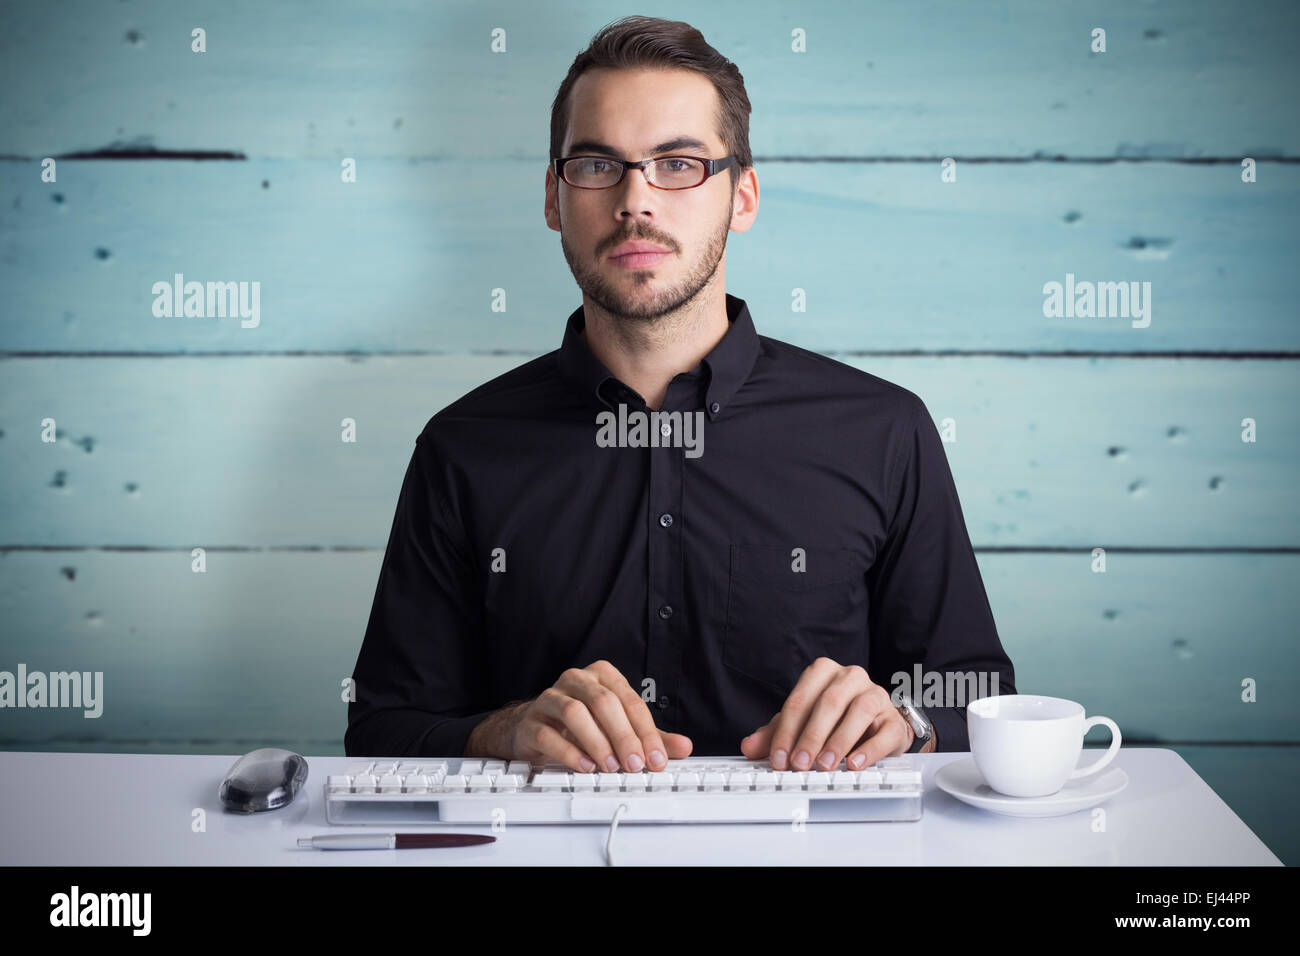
(729, 362)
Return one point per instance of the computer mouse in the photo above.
(265, 779)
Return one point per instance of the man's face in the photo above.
(633, 112)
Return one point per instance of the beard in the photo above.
(626, 298)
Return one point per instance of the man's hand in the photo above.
(833, 710)
(590, 720)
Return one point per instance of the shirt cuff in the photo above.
(410, 733)
(448, 736)
(949, 725)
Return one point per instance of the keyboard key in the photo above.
(433, 769)
(901, 762)
(844, 780)
(764, 780)
(789, 779)
(713, 781)
(509, 781)
(869, 779)
(339, 783)
(480, 782)
(635, 782)
(494, 767)
(364, 783)
(416, 783)
(903, 778)
(359, 768)
(546, 780)
(521, 768)
(584, 781)
(470, 767)
(740, 780)
(661, 780)
(609, 781)
(688, 781)
(455, 783)
(384, 767)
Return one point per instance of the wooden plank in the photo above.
(254, 649)
(408, 258)
(414, 78)
(212, 451)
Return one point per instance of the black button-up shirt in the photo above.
(808, 511)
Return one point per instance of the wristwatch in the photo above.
(920, 726)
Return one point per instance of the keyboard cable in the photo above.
(609, 839)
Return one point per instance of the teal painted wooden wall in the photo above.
(1072, 434)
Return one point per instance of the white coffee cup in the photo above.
(1027, 745)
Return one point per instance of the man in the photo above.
(670, 532)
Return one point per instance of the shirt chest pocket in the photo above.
(788, 606)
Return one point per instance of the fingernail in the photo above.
(828, 760)
(634, 763)
(802, 760)
(857, 760)
(611, 763)
(778, 759)
(656, 757)
(587, 765)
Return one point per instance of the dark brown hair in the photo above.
(640, 42)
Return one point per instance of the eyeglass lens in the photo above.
(671, 172)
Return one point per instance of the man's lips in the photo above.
(638, 260)
(636, 247)
(635, 255)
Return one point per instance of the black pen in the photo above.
(392, 841)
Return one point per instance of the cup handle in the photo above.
(1105, 758)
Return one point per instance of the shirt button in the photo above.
(666, 612)
(666, 520)
(663, 701)
(715, 408)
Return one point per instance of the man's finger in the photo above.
(610, 712)
(551, 745)
(835, 701)
(758, 744)
(794, 713)
(679, 745)
(653, 752)
(863, 712)
(571, 713)
(887, 735)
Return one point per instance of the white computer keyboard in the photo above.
(691, 790)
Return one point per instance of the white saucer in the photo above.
(963, 780)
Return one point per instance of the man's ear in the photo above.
(551, 200)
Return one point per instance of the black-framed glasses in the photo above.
(666, 172)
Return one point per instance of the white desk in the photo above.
(136, 809)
